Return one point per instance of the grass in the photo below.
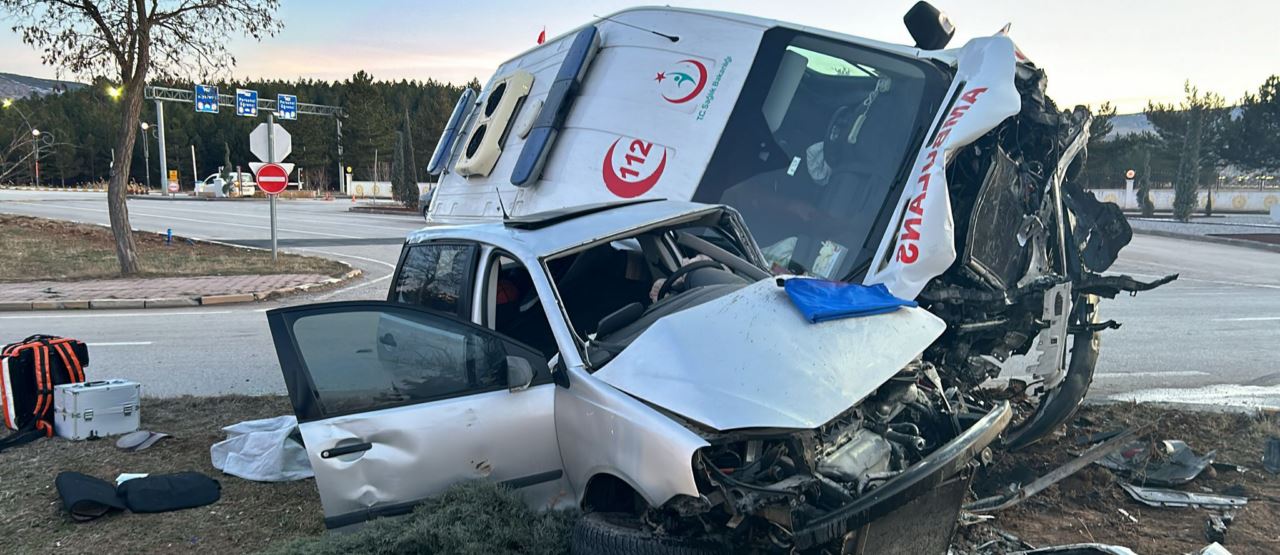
(40, 249)
(480, 517)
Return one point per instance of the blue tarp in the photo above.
(821, 300)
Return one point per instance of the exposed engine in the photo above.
(760, 486)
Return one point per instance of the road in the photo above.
(1213, 336)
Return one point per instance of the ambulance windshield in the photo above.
(817, 147)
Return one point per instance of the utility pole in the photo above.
(271, 158)
(164, 161)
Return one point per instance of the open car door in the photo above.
(396, 403)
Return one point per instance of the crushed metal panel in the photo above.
(749, 359)
(1176, 465)
(1161, 497)
(1079, 549)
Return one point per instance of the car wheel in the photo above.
(620, 534)
(1059, 405)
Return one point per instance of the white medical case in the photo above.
(96, 409)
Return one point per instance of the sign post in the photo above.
(272, 178)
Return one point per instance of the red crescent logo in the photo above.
(702, 82)
(629, 189)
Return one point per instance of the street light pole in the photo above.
(35, 148)
(146, 152)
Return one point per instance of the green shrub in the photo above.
(478, 517)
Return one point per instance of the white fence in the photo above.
(373, 189)
(1224, 200)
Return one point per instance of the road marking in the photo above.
(118, 343)
(357, 286)
(337, 219)
(1251, 319)
(159, 216)
(34, 316)
(331, 253)
(1215, 282)
(1153, 374)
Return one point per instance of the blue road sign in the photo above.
(246, 102)
(286, 106)
(206, 99)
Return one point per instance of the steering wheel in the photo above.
(836, 142)
(682, 272)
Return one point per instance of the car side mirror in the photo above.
(929, 27)
(519, 374)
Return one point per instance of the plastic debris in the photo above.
(1215, 527)
(1079, 549)
(1214, 548)
(1094, 454)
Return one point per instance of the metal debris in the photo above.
(1167, 463)
(1215, 527)
(1271, 456)
(1126, 514)
(1079, 549)
(1160, 497)
(998, 502)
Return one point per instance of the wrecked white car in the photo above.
(945, 174)
(637, 360)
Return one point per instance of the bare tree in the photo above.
(132, 39)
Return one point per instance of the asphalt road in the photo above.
(1211, 337)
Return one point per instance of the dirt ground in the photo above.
(254, 516)
(249, 517)
(40, 249)
(1086, 507)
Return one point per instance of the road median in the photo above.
(56, 265)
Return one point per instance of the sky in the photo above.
(1123, 51)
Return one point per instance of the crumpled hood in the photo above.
(750, 360)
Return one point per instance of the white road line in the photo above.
(338, 254)
(357, 286)
(160, 313)
(337, 220)
(1153, 374)
(118, 343)
(1215, 282)
(1251, 319)
(161, 216)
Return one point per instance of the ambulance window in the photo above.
(820, 142)
(437, 276)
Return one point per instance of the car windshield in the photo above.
(818, 144)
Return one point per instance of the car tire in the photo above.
(621, 534)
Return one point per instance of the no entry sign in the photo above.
(272, 178)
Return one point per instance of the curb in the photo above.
(377, 210)
(1208, 239)
(179, 302)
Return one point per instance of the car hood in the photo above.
(750, 360)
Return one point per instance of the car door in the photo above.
(397, 402)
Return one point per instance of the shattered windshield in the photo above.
(819, 142)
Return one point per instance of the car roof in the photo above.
(543, 235)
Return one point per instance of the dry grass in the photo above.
(40, 249)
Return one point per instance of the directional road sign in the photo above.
(258, 143)
(286, 106)
(246, 102)
(206, 99)
(272, 178)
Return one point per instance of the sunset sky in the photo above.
(1119, 50)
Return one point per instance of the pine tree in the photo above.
(1144, 187)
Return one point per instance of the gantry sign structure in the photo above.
(285, 106)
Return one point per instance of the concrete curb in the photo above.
(378, 210)
(180, 302)
(1208, 239)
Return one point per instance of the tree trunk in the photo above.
(117, 188)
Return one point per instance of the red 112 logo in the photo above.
(635, 170)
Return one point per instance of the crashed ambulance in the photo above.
(945, 174)
(596, 319)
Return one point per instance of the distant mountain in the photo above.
(1128, 124)
(22, 86)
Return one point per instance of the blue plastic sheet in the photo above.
(821, 300)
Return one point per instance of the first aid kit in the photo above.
(29, 371)
(96, 409)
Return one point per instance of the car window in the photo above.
(438, 277)
(516, 308)
(367, 359)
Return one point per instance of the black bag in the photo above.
(29, 370)
(169, 492)
(86, 497)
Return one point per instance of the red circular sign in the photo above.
(272, 178)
